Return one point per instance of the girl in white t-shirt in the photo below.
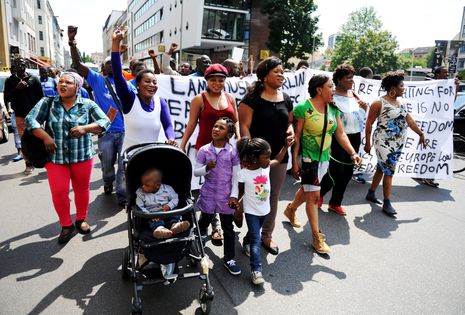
(254, 186)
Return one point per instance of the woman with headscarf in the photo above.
(70, 119)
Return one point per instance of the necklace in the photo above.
(217, 104)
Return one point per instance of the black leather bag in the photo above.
(33, 148)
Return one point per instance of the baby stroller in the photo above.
(177, 172)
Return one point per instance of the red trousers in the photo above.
(59, 176)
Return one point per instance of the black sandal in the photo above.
(82, 226)
(67, 232)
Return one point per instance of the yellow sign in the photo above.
(6, 68)
(161, 48)
(264, 54)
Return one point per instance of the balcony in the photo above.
(222, 25)
(17, 12)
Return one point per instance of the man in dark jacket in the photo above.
(22, 90)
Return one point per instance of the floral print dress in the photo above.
(389, 136)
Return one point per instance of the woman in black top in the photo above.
(266, 112)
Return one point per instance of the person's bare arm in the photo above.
(236, 117)
(153, 56)
(245, 119)
(373, 113)
(76, 59)
(344, 141)
(295, 151)
(194, 113)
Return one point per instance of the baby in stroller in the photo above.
(154, 196)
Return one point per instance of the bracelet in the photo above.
(72, 43)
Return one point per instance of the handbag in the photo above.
(33, 148)
(4, 133)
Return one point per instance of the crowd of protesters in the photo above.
(124, 109)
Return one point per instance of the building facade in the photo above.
(461, 52)
(199, 27)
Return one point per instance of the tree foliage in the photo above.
(86, 58)
(293, 31)
(363, 43)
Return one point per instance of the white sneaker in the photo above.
(257, 278)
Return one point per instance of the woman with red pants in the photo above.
(69, 121)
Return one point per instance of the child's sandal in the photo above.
(217, 235)
(162, 233)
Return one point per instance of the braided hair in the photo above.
(231, 126)
(250, 149)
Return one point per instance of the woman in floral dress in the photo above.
(389, 136)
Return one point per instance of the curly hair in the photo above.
(392, 79)
(341, 71)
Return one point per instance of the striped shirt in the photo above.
(69, 149)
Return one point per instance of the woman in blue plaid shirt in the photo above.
(71, 120)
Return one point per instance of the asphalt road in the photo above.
(414, 264)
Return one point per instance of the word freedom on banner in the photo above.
(429, 102)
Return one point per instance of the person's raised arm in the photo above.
(156, 67)
(165, 62)
(125, 94)
(373, 113)
(76, 59)
(280, 156)
(245, 119)
(194, 113)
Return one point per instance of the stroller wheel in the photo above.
(205, 300)
(125, 265)
(136, 307)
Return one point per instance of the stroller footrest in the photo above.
(167, 241)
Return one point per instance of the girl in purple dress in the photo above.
(219, 163)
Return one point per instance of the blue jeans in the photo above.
(110, 147)
(15, 131)
(254, 224)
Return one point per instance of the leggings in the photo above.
(338, 172)
(277, 176)
(59, 176)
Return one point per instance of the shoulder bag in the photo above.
(33, 148)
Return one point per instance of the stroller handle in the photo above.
(161, 215)
(143, 144)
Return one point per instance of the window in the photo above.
(234, 4)
(38, 4)
(144, 9)
(151, 21)
(42, 51)
(223, 25)
(41, 35)
(149, 42)
(40, 19)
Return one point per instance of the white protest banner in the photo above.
(429, 102)
(431, 105)
(237, 54)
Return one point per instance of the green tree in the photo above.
(363, 43)
(86, 58)
(293, 31)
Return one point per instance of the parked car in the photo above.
(459, 114)
(217, 33)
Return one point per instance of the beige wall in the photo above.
(4, 49)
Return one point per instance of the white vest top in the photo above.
(142, 126)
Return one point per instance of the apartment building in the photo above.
(199, 27)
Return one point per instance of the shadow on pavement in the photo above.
(378, 224)
(296, 260)
(97, 288)
(38, 176)
(6, 159)
(31, 256)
